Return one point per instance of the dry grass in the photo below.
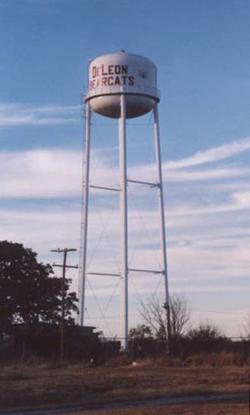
(218, 409)
(45, 384)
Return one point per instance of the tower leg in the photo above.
(85, 207)
(162, 219)
(124, 223)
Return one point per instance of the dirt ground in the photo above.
(37, 386)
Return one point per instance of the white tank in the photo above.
(122, 73)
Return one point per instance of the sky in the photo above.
(201, 50)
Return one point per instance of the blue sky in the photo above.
(201, 50)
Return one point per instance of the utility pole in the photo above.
(166, 306)
(64, 266)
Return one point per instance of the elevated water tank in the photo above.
(122, 73)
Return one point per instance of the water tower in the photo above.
(122, 85)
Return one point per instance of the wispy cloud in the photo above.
(191, 168)
(12, 115)
(40, 173)
(242, 199)
(211, 155)
(204, 174)
(57, 172)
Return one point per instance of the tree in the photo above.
(155, 316)
(205, 331)
(246, 327)
(207, 337)
(141, 331)
(142, 342)
(29, 293)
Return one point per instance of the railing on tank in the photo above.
(113, 90)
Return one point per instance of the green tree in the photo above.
(29, 292)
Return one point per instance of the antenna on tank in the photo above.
(122, 86)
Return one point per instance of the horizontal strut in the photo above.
(108, 274)
(111, 274)
(151, 271)
(144, 183)
(62, 266)
(115, 189)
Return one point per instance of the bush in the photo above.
(214, 359)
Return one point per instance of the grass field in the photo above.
(41, 385)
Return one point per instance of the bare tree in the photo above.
(155, 316)
(246, 327)
(179, 314)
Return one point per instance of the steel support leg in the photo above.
(162, 219)
(85, 207)
(124, 222)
